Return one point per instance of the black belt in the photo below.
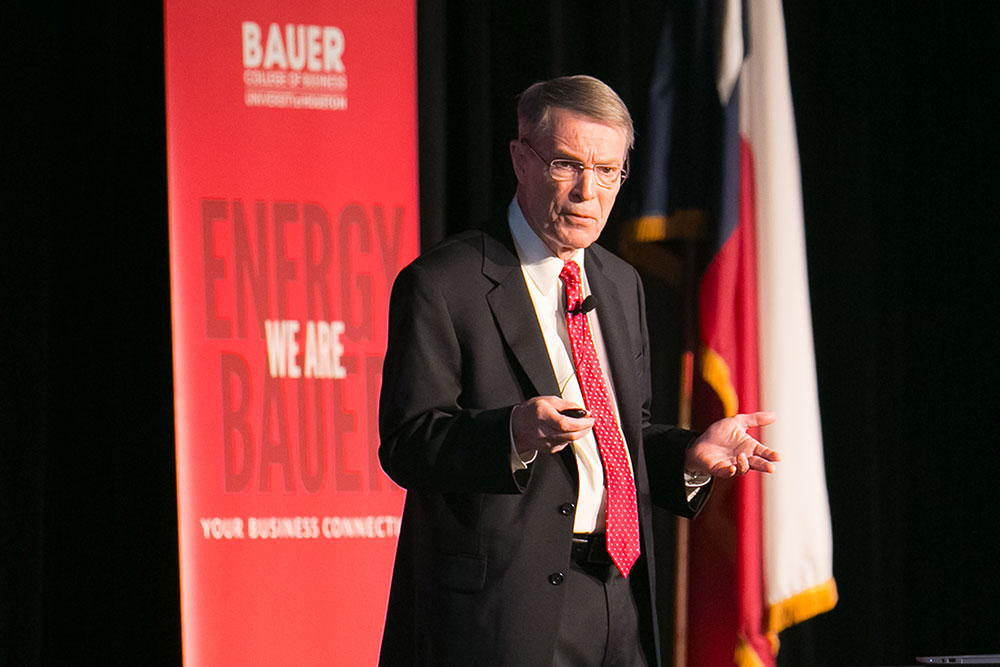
(590, 548)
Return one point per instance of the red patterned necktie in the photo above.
(622, 516)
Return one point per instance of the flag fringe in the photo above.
(802, 606)
(746, 656)
(715, 371)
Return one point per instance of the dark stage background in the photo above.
(895, 118)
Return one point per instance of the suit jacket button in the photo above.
(556, 578)
(567, 509)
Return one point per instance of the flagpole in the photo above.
(689, 332)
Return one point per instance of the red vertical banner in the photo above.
(292, 153)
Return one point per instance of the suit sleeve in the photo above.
(428, 439)
(665, 449)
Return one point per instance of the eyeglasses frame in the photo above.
(622, 170)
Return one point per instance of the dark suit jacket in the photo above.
(482, 552)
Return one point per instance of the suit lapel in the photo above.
(512, 308)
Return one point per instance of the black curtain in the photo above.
(474, 59)
(898, 163)
(89, 530)
(894, 115)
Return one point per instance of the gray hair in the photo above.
(581, 94)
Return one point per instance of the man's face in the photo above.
(567, 215)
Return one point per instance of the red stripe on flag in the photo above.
(726, 541)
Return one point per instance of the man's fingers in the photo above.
(741, 465)
(767, 453)
(759, 450)
(744, 465)
(575, 423)
(574, 420)
(753, 419)
(564, 423)
(761, 465)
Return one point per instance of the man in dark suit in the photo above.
(514, 410)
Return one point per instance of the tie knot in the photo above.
(570, 273)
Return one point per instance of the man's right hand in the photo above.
(538, 425)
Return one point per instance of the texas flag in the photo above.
(761, 555)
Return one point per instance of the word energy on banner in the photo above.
(292, 152)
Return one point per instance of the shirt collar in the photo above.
(537, 260)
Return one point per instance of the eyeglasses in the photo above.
(560, 169)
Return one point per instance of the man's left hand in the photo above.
(725, 449)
